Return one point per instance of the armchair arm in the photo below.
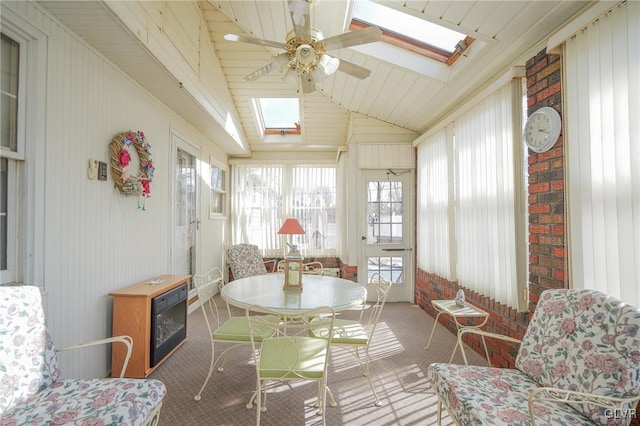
(484, 334)
(126, 340)
(562, 395)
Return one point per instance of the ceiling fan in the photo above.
(305, 56)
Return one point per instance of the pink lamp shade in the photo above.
(291, 226)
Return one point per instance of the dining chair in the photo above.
(245, 260)
(310, 268)
(290, 355)
(356, 335)
(234, 330)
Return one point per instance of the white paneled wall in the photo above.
(97, 240)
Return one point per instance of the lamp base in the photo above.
(294, 252)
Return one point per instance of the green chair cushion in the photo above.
(293, 358)
(345, 332)
(236, 329)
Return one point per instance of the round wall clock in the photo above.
(542, 129)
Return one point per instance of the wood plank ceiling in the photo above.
(404, 90)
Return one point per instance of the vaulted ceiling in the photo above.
(404, 90)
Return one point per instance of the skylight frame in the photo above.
(410, 43)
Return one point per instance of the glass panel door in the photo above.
(185, 209)
(388, 238)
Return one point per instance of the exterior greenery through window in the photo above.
(264, 195)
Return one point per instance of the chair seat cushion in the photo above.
(345, 332)
(293, 357)
(90, 402)
(236, 329)
(495, 396)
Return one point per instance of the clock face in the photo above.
(542, 129)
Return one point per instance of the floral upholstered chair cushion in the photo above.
(31, 390)
(577, 340)
(245, 260)
(495, 396)
(583, 341)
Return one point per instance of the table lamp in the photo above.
(291, 226)
(293, 259)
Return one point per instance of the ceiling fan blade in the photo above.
(308, 84)
(362, 36)
(300, 17)
(253, 40)
(262, 71)
(352, 69)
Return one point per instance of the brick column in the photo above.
(547, 255)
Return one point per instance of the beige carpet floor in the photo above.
(398, 365)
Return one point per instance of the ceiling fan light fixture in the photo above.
(305, 54)
(291, 76)
(328, 65)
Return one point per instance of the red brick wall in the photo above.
(547, 255)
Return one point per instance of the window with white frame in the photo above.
(23, 85)
(218, 189)
(436, 224)
(11, 99)
(264, 195)
(469, 199)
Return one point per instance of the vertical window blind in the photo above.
(470, 215)
(435, 224)
(602, 64)
(485, 198)
(264, 195)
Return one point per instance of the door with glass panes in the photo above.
(387, 236)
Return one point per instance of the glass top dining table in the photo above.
(317, 290)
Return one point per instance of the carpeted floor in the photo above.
(398, 365)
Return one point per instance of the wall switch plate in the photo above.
(92, 171)
(102, 170)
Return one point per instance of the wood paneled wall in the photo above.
(95, 239)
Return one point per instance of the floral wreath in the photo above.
(120, 158)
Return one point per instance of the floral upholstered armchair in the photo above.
(578, 364)
(245, 260)
(32, 391)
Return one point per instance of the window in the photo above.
(218, 190)
(11, 151)
(23, 88)
(277, 118)
(9, 94)
(470, 221)
(410, 33)
(264, 195)
(603, 159)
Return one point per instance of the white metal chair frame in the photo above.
(207, 285)
(346, 331)
(280, 351)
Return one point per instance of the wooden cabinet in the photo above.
(132, 316)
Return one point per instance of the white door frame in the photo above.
(178, 141)
(403, 292)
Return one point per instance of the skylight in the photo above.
(277, 116)
(280, 113)
(411, 33)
